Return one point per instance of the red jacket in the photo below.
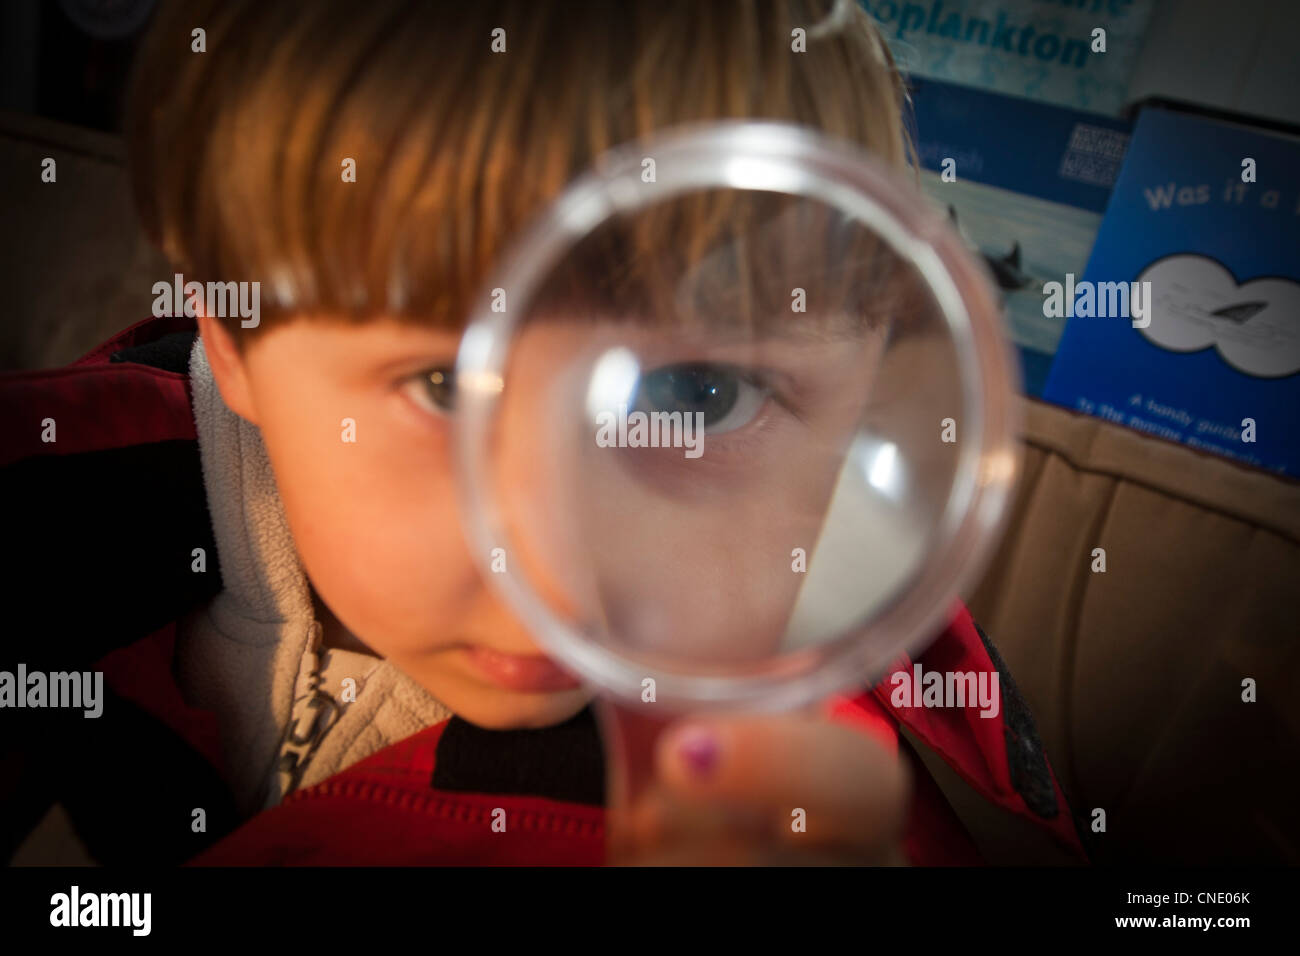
(104, 521)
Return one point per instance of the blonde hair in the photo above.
(236, 152)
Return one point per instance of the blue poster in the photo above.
(1202, 234)
(1026, 187)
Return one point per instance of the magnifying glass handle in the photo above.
(630, 732)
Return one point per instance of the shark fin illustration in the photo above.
(1240, 313)
(1012, 258)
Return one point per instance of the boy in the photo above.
(286, 681)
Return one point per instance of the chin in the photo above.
(508, 710)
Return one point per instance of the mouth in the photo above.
(529, 673)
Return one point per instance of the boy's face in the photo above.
(376, 524)
(375, 521)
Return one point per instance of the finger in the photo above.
(663, 831)
(819, 783)
(739, 851)
(717, 851)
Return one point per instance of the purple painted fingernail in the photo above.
(698, 748)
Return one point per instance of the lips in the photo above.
(531, 673)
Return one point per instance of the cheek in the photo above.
(712, 583)
(374, 520)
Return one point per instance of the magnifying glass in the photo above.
(738, 410)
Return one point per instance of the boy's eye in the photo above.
(726, 396)
(433, 389)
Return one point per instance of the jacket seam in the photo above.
(405, 799)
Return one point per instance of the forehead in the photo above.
(738, 266)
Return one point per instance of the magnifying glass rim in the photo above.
(793, 160)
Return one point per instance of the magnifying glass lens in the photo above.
(725, 432)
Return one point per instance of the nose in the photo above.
(534, 472)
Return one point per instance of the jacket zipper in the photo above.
(297, 747)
